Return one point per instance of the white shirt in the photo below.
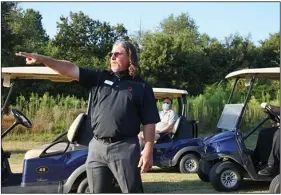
(168, 116)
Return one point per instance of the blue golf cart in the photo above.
(181, 148)
(57, 167)
(226, 160)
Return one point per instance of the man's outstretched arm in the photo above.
(63, 67)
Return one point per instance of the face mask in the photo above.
(165, 106)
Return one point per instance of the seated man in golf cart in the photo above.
(168, 118)
(273, 162)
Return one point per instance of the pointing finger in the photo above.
(24, 54)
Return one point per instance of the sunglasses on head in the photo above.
(115, 54)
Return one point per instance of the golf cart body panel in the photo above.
(229, 146)
(221, 143)
(46, 169)
(168, 154)
(77, 174)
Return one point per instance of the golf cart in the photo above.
(181, 147)
(226, 160)
(57, 167)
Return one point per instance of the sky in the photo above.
(217, 19)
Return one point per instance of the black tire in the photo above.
(83, 187)
(202, 176)
(225, 176)
(189, 163)
(274, 187)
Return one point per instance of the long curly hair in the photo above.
(134, 68)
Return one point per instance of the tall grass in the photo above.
(49, 115)
(207, 108)
(55, 114)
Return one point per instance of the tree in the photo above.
(7, 35)
(270, 51)
(173, 25)
(28, 28)
(236, 52)
(22, 31)
(86, 41)
(173, 56)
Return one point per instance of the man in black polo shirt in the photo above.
(121, 102)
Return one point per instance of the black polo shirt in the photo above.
(119, 104)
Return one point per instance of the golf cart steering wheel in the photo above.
(21, 118)
(267, 108)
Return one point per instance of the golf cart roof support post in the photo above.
(9, 129)
(180, 108)
(184, 110)
(8, 98)
(255, 128)
(232, 91)
(89, 103)
(246, 101)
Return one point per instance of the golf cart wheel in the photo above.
(84, 187)
(274, 187)
(204, 177)
(189, 163)
(225, 176)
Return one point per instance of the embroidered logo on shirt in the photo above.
(130, 89)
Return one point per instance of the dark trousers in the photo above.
(119, 159)
(274, 157)
(264, 144)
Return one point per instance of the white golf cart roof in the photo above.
(46, 73)
(161, 93)
(31, 72)
(267, 73)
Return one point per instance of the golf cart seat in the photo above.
(176, 127)
(59, 146)
(185, 129)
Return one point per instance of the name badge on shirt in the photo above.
(108, 82)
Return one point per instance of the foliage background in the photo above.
(174, 56)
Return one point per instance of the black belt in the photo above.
(109, 140)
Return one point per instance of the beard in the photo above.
(115, 68)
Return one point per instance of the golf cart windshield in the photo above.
(232, 113)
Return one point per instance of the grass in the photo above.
(169, 181)
(156, 181)
(32, 137)
(18, 150)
